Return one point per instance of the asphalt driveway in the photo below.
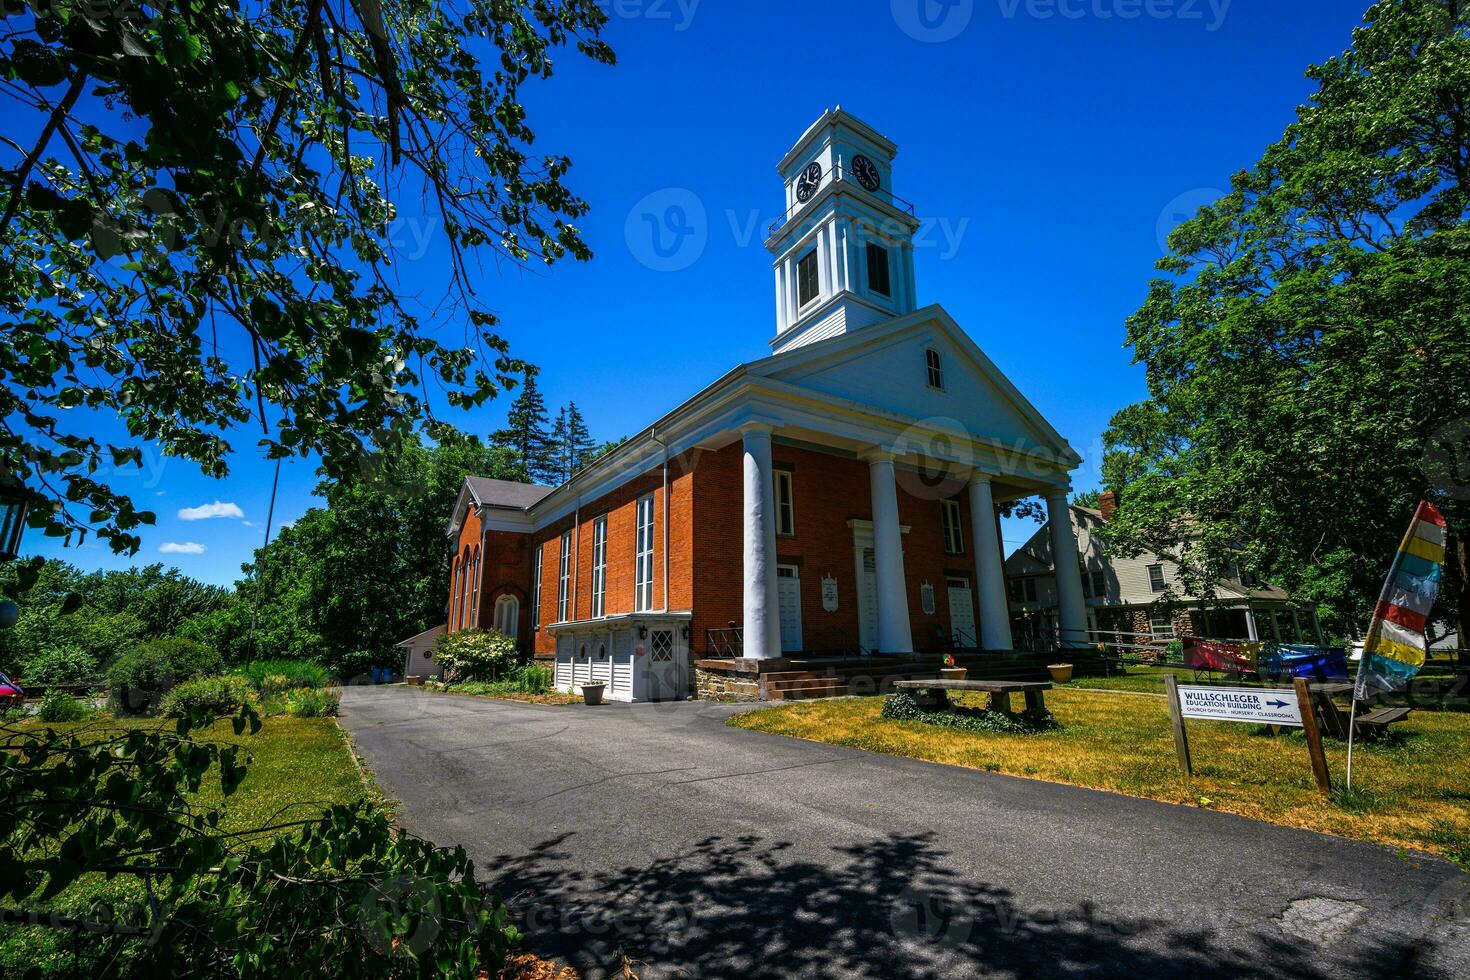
(652, 832)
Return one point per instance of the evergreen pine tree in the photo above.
(581, 447)
(557, 466)
(525, 431)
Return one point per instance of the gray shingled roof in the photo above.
(505, 493)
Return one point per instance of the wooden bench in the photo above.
(934, 694)
(1333, 718)
(1378, 721)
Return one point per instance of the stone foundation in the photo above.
(726, 683)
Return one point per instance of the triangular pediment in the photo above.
(884, 365)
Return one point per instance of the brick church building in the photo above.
(834, 499)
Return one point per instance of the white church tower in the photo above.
(844, 246)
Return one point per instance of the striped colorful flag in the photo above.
(1395, 648)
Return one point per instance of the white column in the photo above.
(1251, 632)
(780, 297)
(762, 633)
(995, 617)
(1071, 609)
(894, 632)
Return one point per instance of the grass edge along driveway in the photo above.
(1411, 791)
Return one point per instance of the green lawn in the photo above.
(300, 766)
(1412, 790)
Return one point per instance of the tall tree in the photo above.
(581, 447)
(1308, 361)
(200, 229)
(344, 582)
(556, 468)
(525, 432)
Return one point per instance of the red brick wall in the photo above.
(828, 491)
(620, 509)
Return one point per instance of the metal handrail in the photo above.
(837, 175)
(728, 642)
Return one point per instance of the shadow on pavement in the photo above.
(739, 906)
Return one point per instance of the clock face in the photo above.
(809, 181)
(866, 172)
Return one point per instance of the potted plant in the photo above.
(592, 693)
(1060, 673)
(948, 671)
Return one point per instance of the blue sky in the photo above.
(1048, 144)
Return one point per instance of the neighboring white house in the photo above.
(419, 654)
(1142, 595)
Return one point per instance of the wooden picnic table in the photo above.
(1333, 718)
(934, 694)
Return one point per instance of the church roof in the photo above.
(506, 493)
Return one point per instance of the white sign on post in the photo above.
(1263, 706)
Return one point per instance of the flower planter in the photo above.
(1060, 673)
(592, 693)
(952, 673)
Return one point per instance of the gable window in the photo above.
(536, 590)
(1023, 589)
(935, 367)
(954, 535)
(643, 556)
(1099, 583)
(878, 281)
(1156, 577)
(1087, 590)
(599, 567)
(1249, 579)
(807, 285)
(564, 577)
(785, 504)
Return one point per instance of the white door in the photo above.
(962, 613)
(664, 680)
(868, 602)
(788, 601)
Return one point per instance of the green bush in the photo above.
(210, 695)
(525, 679)
(900, 706)
(64, 663)
(138, 680)
(313, 702)
(296, 673)
(58, 706)
(476, 655)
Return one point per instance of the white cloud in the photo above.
(205, 511)
(181, 548)
(248, 523)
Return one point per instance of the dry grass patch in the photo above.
(1411, 791)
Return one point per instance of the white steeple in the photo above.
(844, 246)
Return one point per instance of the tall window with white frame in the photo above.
(536, 590)
(954, 533)
(454, 595)
(785, 504)
(643, 556)
(808, 285)
(935, 367)
(599, 568)
(475, 589)
(464, 589)
(564, 578)
(1156, 577)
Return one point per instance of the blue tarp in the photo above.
(1283, 661)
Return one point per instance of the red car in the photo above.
(11, 694)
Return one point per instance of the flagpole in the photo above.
(1352, 730)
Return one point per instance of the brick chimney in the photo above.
(1107, 503)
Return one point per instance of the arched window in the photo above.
(464, 589)
(508, 615)
(475, 589)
